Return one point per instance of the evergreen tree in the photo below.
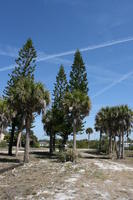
(76, 101)
(63, 125)
(78, 75)
(25, 66)
(60, 88)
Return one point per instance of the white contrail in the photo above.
(6, 68)
(93, 47)
(89, 48)
(124, 77)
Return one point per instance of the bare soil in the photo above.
(92, 177)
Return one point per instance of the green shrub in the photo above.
(66, 156)
(3, 144)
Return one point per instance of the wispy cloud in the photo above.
(67, 53)
(89, 48)
(116, 82)
(6, 68)
(8, 51)
(44, 57)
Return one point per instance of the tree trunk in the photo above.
(88, 139)
(114, 143)
(116, 149)
(65, 138)
(74, 135)
(100, 142)
(18, 142)
(51, 144)
(110, 145)
(11, 139)
(54, 138)
(122, 149)
(119, 145)
(27, 141)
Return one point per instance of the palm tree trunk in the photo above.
(100, 142)
(88, 139)
(122, 149)
(51, 144)
(18, 142)
(65, 138)
(119, 145)
(116, 149)
(74, 135)
(54, 138)
(27, 141)
(110, 145)
(11, 139)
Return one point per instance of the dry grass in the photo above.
(45, 178)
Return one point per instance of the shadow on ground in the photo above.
(43, 155)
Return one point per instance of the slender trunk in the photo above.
(18, 142)
(119, 145)
(88, 139)
(51, 144)
(27, 141)
(110, 145)
(54, 138)
(65, 138)
(74, 135)
(122, 149)
(116, 149)
(19, 135)
(113, 146)
(100, 142)
(11, 139)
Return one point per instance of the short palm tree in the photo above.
(89, 131)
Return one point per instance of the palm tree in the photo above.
(49, 127)
(115, 121)
(79, 106)
(31, 98)
(89, 131)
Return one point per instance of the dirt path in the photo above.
(45, 179)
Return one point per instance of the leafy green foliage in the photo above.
(66, 156)
(78, 76)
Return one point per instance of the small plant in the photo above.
(66, 156)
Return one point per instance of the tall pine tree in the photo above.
(60, 88)
(77, 100)
(78, 75)
(63, 125)
(25, 66)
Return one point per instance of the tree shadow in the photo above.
(9, 160)
(43, 155)
(96, 157)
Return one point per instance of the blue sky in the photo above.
(102, 29)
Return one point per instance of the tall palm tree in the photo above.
(31, 98)
(89, 131)
(79, 106)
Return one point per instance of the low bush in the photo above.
(66, 156)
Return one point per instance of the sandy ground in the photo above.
(44, 178)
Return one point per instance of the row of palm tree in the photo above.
(115, 122)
